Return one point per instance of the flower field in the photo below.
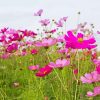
(50, 62)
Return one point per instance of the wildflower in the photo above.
(45, 22)
(78, 42)
(90, 77)
(60, 63)
(34, 51)
(5, 56)
(44, 71)
(12, 48)
(3, 30)
(98, 69)
(95, 92)
(2, 38)
(59, 23)
(51, 31)
(15, 37)
(64, 19)
(96, 61)
(38, 13)
(28, 33)
(36, 67)
(45, 42)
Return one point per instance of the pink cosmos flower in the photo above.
(36, 67)
(12, 48)
(61, 38)
(28, 33)
(63, 50)
(51, 31)
(64, 19)
(15, 37)
(34, 51)
(45, 42)
(59, 23)
(44, 71)
(3, 30)
(78, 42)
(60, 63)
(91, 77)
(23, 53)
(5, 56)
(45, 22)
(2, 38)
(38, 13)
(95, 92)
(96, 61)
(98, 69)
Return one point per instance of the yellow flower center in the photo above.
(44, 72)
(80, 40)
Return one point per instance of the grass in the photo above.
(59, 85)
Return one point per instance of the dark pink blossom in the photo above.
(34, 51)
(44, 71)
(12, 48)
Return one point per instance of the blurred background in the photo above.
(20, 13)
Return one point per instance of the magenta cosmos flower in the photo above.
(44, 71)
(45, 42)
(12, 48)
(34, 51)
(3, 30)
(78, 42)
(98, 69)
(60, 63)
(90, 77)
(95, 92)
(28, 33)
(33, 68)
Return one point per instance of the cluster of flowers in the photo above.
(23, 42)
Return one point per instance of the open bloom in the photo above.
(60, 63)
(95, 92)
(45, 42)
(3, 30)
(38, 13)
(34, 51)
(28, 33)
(96, 61)
(44, 71)
(98, 69)
(64, 19)
(45, 22)
(90, 77)
(36, 67)
(59, 23)
(78, 42)
(11, 48)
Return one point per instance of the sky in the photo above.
(19, 13)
